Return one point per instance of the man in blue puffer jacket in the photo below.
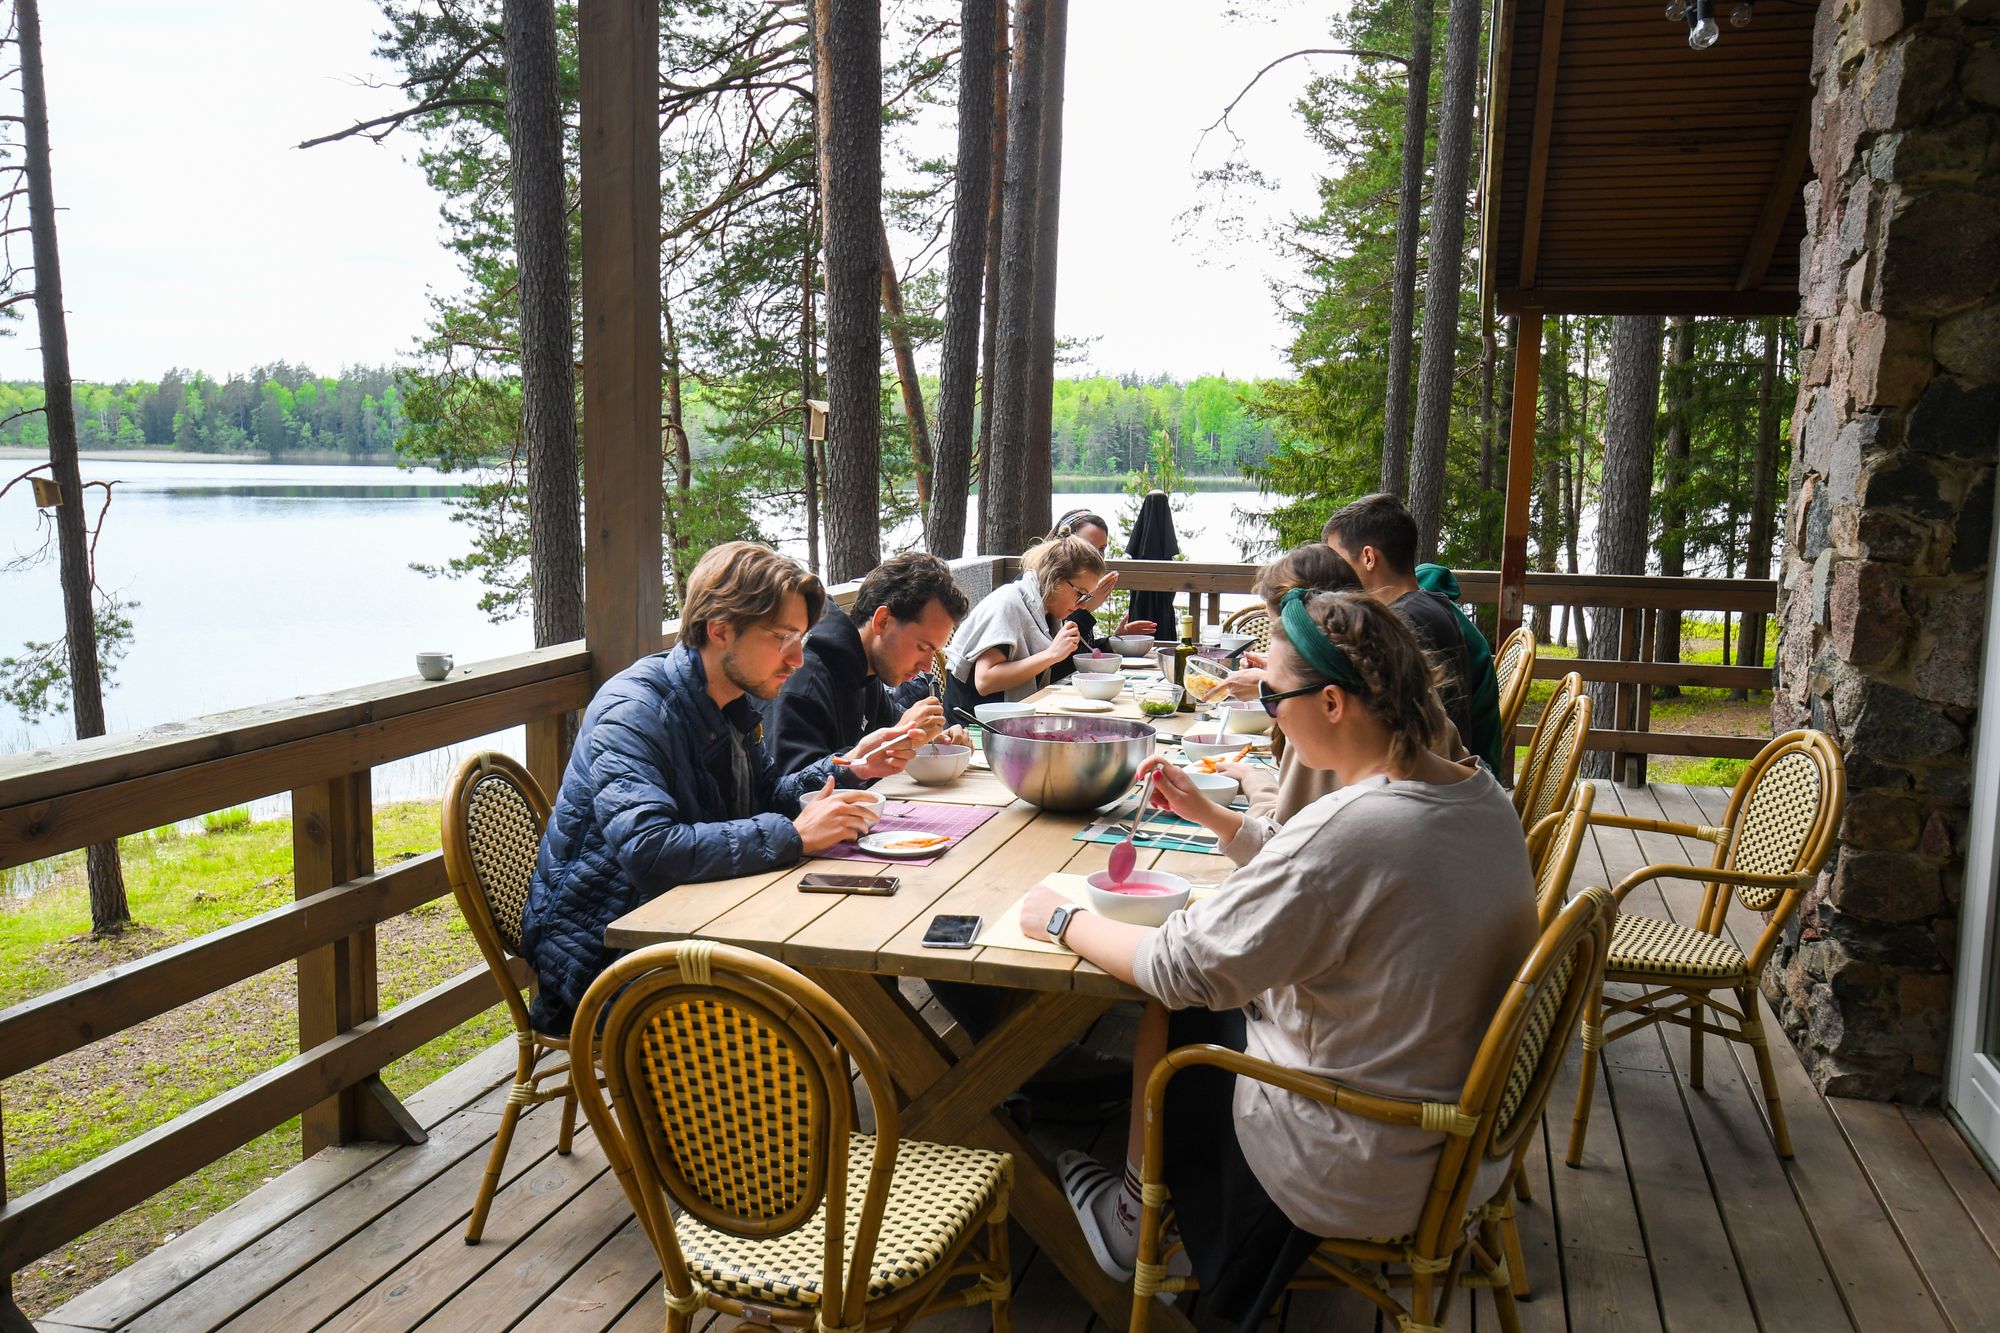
(667, 784)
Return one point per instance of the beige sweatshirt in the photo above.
(1274, 797)
(1370, 941)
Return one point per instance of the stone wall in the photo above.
(1884, 585)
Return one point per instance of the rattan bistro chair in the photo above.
(1514, 672)
(1460, 1238)
(494, 813)
(1776, 836)
(731, 1126)
(1254, 621)
(1561, 842)
(1555, 776)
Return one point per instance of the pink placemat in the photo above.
(955, 821)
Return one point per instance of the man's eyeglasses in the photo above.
(787, 638)
(1271, 698)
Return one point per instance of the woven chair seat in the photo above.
(1661, 948)
(937, 1193)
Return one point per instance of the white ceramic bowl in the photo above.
(1139, 909)
(1134, 645)
(1098, 663)
(1217, 787)
(433, 666)
(1209, 745)
(988, 714)
(871, 801)
(935, 765)
(1245, 719)
(1098, 684)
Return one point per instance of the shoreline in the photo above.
(19, 451)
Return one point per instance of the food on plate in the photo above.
(916, 841)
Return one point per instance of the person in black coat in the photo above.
(1092, 528)
(1153, 538)
(863, 666)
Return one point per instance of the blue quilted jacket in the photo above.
(639, 813)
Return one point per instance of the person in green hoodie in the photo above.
(1378, 537)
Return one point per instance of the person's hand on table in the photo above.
(1036, 909)
(927, 714)
(1243, 684)
(893, 748)
(953, 736)
(836, 817)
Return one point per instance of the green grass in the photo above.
(180, 886)
(226, 821)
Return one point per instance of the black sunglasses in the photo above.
(1272, 698)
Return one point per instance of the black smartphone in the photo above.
(875, 885)
(952, 932)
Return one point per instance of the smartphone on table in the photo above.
(951, 932)
(880, 886)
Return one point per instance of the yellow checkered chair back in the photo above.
(1558, 855)
(1531, 1035)
(492, 817)
(1561, 764)
(1781, 820)
(1513, 670)
(1254, 621)
(1554, 713)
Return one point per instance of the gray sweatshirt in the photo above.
(1370, 941)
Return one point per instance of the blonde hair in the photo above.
(1058, 558)
(1398, 682)
(743, 584)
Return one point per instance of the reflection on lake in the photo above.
(256, 582)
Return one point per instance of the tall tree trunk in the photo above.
(109, 912)
(1003, 59)
(911, 387)
(682, 454)
(1763, 492)
(1409, 222)
(548, 382)
(849, 46)
(809, 388)
(1442, 279)
(1551, 456)
(1002, 482)
(1037, 482)
(1575, 465)
(1489, 364)
(1674, 456)
(944, 521)
(1631, 415)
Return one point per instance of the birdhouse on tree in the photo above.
(48, 495)
(816, 410)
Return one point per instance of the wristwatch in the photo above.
(1059, 920)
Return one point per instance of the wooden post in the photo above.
(1521, 410)
(333, 841)
(549, 742)
(1649, 639)
(11, 1318)
(618, 61)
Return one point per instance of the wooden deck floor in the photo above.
(1682, 1218)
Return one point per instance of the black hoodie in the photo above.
(832, 700)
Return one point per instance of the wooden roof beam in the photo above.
(1778, 204)
(1550, 57)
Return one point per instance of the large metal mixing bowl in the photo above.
(1067, 763)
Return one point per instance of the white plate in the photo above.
(1143, 663)
(884, 844)
(1084, 705)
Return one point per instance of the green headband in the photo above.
(1305, 634)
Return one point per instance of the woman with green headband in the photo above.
(1369, 941)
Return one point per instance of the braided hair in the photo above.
(1398, 682)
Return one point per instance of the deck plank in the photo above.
(1956, 1263)
(603, 1287)
(1962, 1171)
(547, 1257)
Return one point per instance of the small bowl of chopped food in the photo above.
(935, 765)
(1143, 898)
(1160, 700)
(1211, 744)
(1098, 684)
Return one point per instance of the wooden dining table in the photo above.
(858, 947)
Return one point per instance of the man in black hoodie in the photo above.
(860, 664)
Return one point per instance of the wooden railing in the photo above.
(321, 750)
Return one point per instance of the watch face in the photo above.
(1059, 921)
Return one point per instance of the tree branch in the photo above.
(381, 127)
(1234, 102)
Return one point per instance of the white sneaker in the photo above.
(1085, 1181)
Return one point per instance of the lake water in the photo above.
(257, 582)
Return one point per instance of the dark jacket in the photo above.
(641, 811)
(1480, 729)
(830, 702)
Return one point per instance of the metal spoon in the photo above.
(1126, 854)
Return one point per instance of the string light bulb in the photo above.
(1676, 10)
(1740, 16)
(1702, 31)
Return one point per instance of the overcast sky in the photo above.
(195, 234)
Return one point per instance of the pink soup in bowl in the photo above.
(1146, 898)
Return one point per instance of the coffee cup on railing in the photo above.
(433, 666)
